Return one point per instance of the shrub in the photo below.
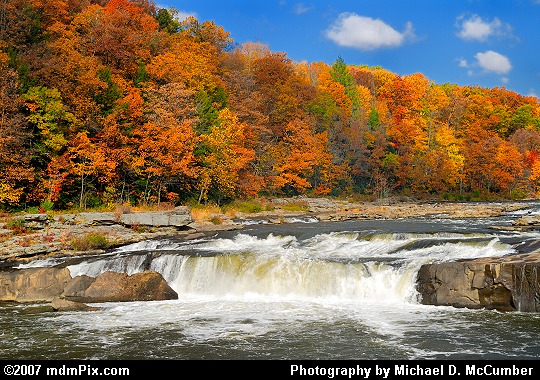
(89, 242)
(248, 207)
(32, 210)
(296, 206)
(46, 205)
(18, 226)
(216, 220)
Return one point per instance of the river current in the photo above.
(303, 290)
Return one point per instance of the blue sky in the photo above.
(490, 43)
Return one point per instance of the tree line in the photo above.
(106, 102)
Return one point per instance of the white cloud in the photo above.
(493, 61)
(476, 29)
(301, 8)
(463, 63)
(366, 33)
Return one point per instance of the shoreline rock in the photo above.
(54, 236)
(56, 286)
(508, 283)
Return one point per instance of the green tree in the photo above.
(340, 73)
(52, 121)
(167, 20)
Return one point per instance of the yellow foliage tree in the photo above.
(226, 157)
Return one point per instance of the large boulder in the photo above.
(56, 285)
(33, 284)
(504, 284)
(119, 287)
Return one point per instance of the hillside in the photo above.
(117, 102)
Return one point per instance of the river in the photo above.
(304, 290)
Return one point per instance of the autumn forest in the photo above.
(117, 101)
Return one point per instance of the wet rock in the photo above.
(527, 221)
(75, 289)
(60, 304)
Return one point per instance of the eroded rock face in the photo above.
(502, 284)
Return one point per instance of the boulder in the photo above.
(96, 218)
(179, 217)
(527, 221)
(504, 284)
(56, 285)
(76, 287)
(33, 284)
(60, 304)
(119, 287)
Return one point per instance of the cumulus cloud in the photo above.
(488, 62)
(474, 28)
(493, 61)
(366, 33)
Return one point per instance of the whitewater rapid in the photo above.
(330, 266)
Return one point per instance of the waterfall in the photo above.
(349, 266)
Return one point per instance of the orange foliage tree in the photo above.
(118, 100)
(16, 173)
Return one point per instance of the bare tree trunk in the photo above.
(81, 197)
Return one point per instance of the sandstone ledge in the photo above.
(50, 236)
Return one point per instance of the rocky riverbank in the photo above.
(46, 236)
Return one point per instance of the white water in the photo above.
(335, 266)
(287, 293)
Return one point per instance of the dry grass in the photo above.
(89, 242)
(205, 213)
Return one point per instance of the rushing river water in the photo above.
(305, 290)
